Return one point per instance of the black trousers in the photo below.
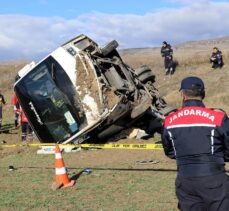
(168, 62)
(210, 193)
(218, 63)
(0, 116)
(16, 118)
(26, 130)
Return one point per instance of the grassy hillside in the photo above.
(8, 71)
(117, 181)
(191, 62)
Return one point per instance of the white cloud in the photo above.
(30, 37)
(6, 42)
(189, 1)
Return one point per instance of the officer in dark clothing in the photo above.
(216, 58)
(198, 138)
(167, 53)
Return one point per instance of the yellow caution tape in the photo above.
(123, 146)
(100, 146)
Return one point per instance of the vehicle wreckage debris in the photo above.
(11, 168)
(87, 171)
(83, 93)
(145, 162)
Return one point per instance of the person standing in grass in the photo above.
(26, 130)
(167, 53)
(16, 110)
(16, 107)
(198, 138)
(2, 102)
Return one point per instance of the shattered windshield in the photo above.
(50, 105)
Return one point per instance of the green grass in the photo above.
(28, 187)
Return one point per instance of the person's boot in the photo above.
(30, 137)
(23, 138)
(166, 71)
(171, 70)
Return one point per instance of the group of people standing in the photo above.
(198, 139)
(19, 119)
(167, 53)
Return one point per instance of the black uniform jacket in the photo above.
(198, 138)
(166, 51)
(217, 55)
(2, 100)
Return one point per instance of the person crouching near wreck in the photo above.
(216, 58)
(198, 138)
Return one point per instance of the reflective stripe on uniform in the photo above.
(191, 125)
(212, 141)
(171, 138)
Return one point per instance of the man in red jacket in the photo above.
(25, 128)
(16, 110)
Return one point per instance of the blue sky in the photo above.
(72, 9)
(32, 29)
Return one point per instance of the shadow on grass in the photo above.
(133, 170)
(98, 169)
(76, 176)
(7, 128)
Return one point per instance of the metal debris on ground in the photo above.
(11, 168)
(145, 162)
(87, 171)
(141, 134)
(51, 149)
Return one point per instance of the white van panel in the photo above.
(67, 61)
(23, 71)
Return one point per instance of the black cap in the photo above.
(164, 42)
(192, 83)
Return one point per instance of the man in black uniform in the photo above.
(216, 58)
(2, 101)
(198, 138)
(167, 53)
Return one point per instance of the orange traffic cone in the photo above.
(62, 180)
